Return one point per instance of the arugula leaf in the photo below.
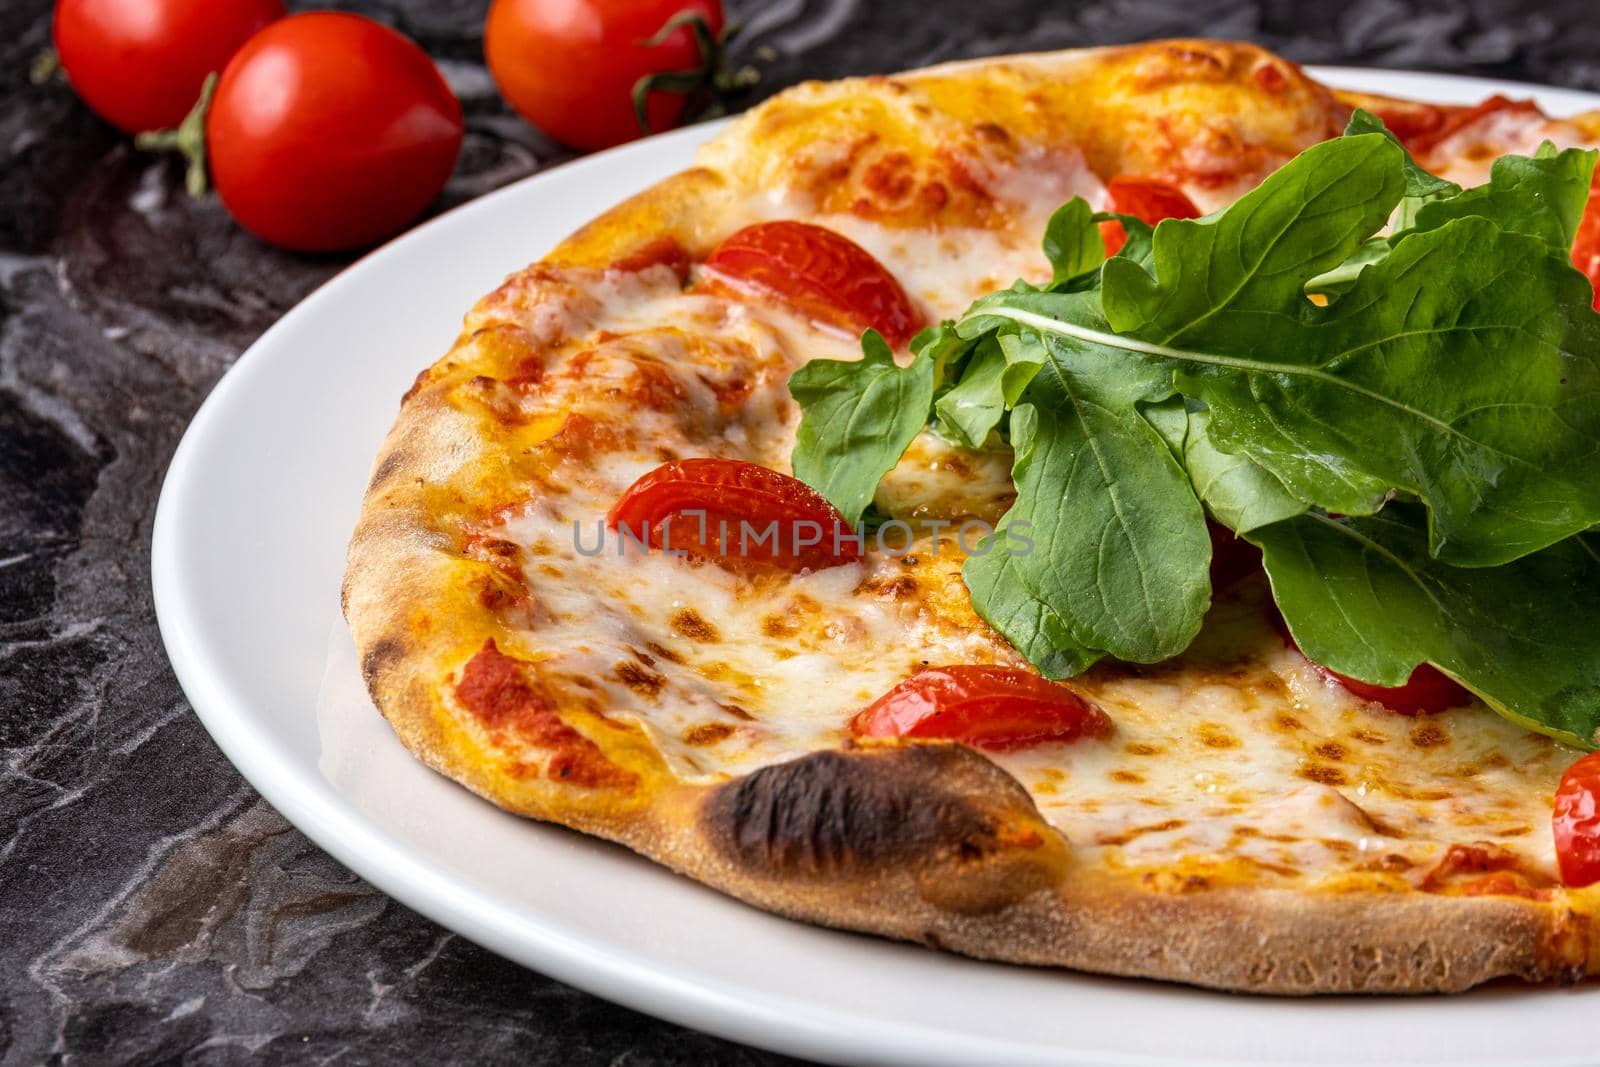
(1419, 183)
(1251, 260)
(860, 416)
(974, 407)
(1121, 553)
(1363, 597)
(1417, 380)
(1543, 196)
(1072, 242)
(1446, 403)
(1239, 492)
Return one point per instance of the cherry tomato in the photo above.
(330, 131)
(1410, 120)
(1576, 823)
(1456, 119)
(822, 274)
(140, 63)
(1427, 690)
(569, 66)
(1146, 199)
(1232, 557)
(996, 708)
(736, 514)
(1586, 248)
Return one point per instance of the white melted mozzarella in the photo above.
(1238, 754)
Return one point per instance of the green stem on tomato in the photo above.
(188, 140)
(707, 85)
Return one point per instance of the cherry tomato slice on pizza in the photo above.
(1428, 690)
(821, 274)
(1232, 557)
(1586, 248)
(1146, 199)
(1576, 823)
(1456, 119)
(736, 514)
(989, 707)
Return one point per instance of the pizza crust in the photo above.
(926, 842)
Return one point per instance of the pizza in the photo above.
(861, 730)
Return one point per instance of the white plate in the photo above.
(249, 547)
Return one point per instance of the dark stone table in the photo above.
(152, 907)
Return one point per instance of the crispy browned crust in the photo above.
(926, 842)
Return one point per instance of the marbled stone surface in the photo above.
(152, 908)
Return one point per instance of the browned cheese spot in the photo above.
(686, 622)
(1331, 750)
(1317, 772)
(1429, 735)
(707, 733)
(1215, 735)
(640, 678)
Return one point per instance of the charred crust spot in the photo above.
(1317, 772)
(1128, 777)
(942, 811)
(416, 387)
(1369, 737)
(1429, 735)
(686, 622)
(1139, 748)
(707, 733)
(737, 712)
(1287, 723)
(393, 462)
(379, 657)
(640, 678)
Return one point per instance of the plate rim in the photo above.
(306, 800)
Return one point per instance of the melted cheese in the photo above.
(1238, 757)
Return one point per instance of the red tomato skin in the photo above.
(996, 708)
(1232, 557)
(1456, 119)
(1586, 247)
(569, 66)
(1426, 692)
(330, 131)
(1147, 199)
(139, 64)
(820, 273)
(733, 491)
(1576, 823)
